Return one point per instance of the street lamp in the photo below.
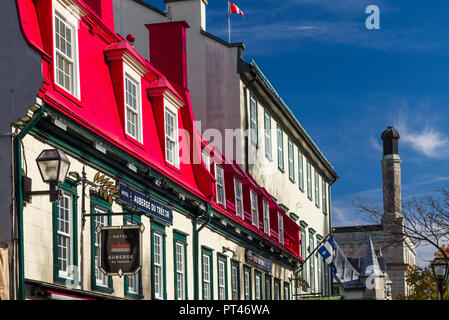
(440, 272)
(53, 166)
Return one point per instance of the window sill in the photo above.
(292, 180)
(134, 141)
(281, 170)
(172, 167)
(67, 94)
(102, 289)
(134, 295)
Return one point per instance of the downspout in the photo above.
(330, 227)
(196, 231)
(18, 186)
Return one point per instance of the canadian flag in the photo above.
(235, 9)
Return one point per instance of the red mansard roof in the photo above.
(101, 105)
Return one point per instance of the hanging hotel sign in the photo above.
(257, 261)
(142, 202)
(120, 249)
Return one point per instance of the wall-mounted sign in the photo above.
(142, 202)
(257, 261)
(120, 249)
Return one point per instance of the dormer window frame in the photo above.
(266, 217)
(132, 78)
(238, 187)
(70, 20)
(254, 203)
(219, 173)
(171, 108)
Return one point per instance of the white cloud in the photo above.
(375, 144)
(428, 141)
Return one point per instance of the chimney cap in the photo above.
(390, 133)
(390, 139)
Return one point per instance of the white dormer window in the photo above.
(133, 109)
(281, 228)
(171, 137)
(206, 160)
(171, 110)
(65, 37)
(266, 218)
(220, 187)
(238, 198)
(254, 209)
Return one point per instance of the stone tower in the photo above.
(391, 175)
(398, 253)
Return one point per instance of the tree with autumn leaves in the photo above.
(422, 282)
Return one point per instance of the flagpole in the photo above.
(229, 24)
(316, 248)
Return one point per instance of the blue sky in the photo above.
(346, 84)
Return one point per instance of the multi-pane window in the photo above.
(65, 54)
(206, 160)
(180, 270)
(132, 106)
(207, 288)
(65, 235)
(254, 209)
(301, 170)
(257, 285)
(286, 291)
(171, 138)
(135, 280)
(319, 271)
(219, 186)
(317, 189)
(268, 143)
(281, 228)
(277, 289)
(291, 160)
(309, 179)
(238, 198)
(326, 279)
(266, 217)
(324, 194)
(247, 283)
(235, 280)
(222, 278)
(253, 119)
(304, 252)
(280, 147)
(267, 287)
(99, 221)
(158, 266)
(312, 264)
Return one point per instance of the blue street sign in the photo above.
(142, 202)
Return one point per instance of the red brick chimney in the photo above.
(168, 50)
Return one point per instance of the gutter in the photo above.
(196, 275)
(19, 195)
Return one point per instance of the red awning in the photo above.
(64, 296)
